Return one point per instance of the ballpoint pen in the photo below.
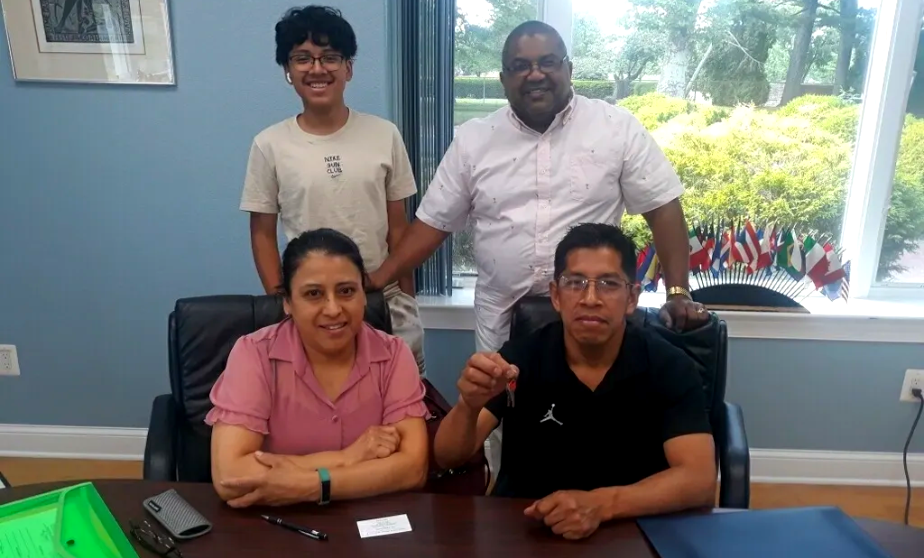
(310, 533)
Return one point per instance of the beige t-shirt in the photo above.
(340, 181)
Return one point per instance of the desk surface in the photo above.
(447, 526)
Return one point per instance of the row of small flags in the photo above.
(750, 250)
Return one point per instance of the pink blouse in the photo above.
(269, 387)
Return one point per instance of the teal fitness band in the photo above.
(325, 486)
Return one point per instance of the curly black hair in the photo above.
(322, 25)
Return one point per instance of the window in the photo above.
(766, 108)
(481, 28)
(901, 260)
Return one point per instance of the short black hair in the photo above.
(528, 28)
(596, 235)
(324, 241)
(322, 25)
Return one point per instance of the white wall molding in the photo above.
(767, 465)
(820, 327)
(455, 314)
(855, 468)
(72, 442)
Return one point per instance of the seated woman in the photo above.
(320, 406)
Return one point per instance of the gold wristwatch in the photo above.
(678, 291)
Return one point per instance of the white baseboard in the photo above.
(767, 465)
(72, 442)
(835, 467)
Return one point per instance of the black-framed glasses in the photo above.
(162, 545)
(606, 286)
(546, 65)
(305, 62)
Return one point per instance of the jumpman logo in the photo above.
(551, 416)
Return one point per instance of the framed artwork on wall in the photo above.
(90, 41)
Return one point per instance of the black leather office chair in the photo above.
(708, 346)
(201, 333)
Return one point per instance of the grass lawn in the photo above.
(466, 109)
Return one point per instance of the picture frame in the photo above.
(90, 41)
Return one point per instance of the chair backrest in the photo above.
(201, 333)
(706, 345)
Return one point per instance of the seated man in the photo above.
(606, 420)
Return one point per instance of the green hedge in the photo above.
(788, 166)
(491, 88)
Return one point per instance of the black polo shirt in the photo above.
(560, 435)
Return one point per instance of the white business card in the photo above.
(383, 526)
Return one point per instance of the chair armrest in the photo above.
(734, 460)
(160, 447)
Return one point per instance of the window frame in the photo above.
(889, 75)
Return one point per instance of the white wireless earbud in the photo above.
(289, 78)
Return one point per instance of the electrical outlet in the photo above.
(914, 379)
(9, 363)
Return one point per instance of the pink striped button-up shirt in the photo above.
(523, 190)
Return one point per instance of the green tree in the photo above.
(590, 50)
(741, 34)
(472, 57)
(847, 39)
(638, 53)
(478, 49)
(866, 23)
(821, 65)
(799, 53)
(675, 21)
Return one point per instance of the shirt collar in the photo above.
(287, 346)
(630, 360)
(563, 117)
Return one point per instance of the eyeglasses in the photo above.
(162, 545)
(547, 65)
(609, 286)
(305, 62)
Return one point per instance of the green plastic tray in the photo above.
(68, 523)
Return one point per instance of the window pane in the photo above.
(902, 258)
(481, 28)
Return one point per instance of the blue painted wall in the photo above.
(115, 201)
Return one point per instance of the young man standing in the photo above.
(609, 420)
(330, 166)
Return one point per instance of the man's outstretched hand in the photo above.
(485, 376)
(682, 314)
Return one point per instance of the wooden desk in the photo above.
(445, 526)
